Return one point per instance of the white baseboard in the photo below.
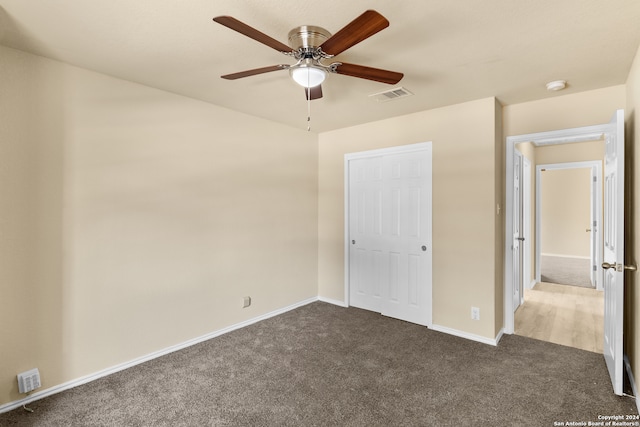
(112, 370)
(333, 301)
(466, 335)
(532, 284)
(632, 380)
(473, 337)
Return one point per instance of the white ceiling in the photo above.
(450, 51)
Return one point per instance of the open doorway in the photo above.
(560, 301)
(568, 207)
(611, 137)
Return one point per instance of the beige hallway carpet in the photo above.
(566, 271)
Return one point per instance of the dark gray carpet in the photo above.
(322, 365)
(565, 271)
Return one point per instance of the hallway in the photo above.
(562, 314)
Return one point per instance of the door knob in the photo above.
(607, 266)
(588, 230)
(520, 238)
(424, 248)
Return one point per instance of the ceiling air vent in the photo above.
(388, 95)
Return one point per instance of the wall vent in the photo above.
(28, 381)
(391, 94)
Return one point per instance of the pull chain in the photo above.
(308, 102)
(308, 111)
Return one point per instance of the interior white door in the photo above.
(390, 235)
(517, 223)
(593, 227)
(407, 231)
(613, 264)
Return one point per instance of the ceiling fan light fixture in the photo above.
(308, 76)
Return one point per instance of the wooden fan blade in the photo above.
(316, 92)
(255, 71)
(369, 73)
(251, 32)
(364, 26)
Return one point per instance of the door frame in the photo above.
(525, 183)
(564, 136)
(517, 293)
(525, 226)
(402, 149)
(595, 167)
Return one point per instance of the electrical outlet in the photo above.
(475, 313)
(247, 302)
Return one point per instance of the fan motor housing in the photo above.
(307, 36)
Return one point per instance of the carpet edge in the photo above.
(154, 355)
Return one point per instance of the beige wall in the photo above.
(133, 219)
(563, 111)
(632, 247)
(567, 153)
(565, 196)
(465, 170)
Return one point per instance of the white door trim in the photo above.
(565, 136)
(422, 146)
(517, 292)
(597, 201)
(526, 228)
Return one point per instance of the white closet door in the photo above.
(390, 252)
(367, 253)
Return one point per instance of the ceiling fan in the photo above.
(311, 45)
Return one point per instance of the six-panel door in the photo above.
(390, 235)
